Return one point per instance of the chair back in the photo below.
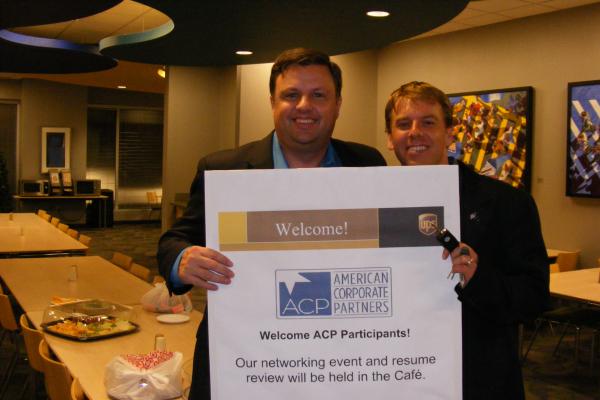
(47, 217)
(7, 316)
(140, 271)
(567, 261)
(85, 239)
(41, 212)
(157, 279)
(63, 227)
(152, 198)
(56, 375)
(122, 260)
(77, 390)
(54, 221)
(32, 338)
(73, 233)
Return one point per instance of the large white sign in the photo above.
(340, 291)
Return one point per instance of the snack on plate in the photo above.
(89, 327)
(89, 320)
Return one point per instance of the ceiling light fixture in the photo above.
(121, 87)
(244, 52)
(378, 14)
(162, 72)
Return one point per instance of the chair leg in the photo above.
(564, 332)
(538, 324)
(10, 367)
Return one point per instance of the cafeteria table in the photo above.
(27, 235)
(87, 360)
(580, 285)
(34, 281)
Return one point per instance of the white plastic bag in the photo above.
(125, 380)
(158, 300)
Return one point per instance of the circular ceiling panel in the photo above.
(28, 54)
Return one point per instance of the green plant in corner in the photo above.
(5, 198)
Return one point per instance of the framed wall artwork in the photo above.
(56, 148)
(493, 133)
(583, 139)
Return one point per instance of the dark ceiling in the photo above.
(207, 33)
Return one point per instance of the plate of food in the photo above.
(85, 328)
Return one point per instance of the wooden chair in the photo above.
(140, 271)
(73, 233)
(56, 375)
(77, 390)
(41, 213)
(567, 261)
(47, 217)
(86, 240)
(9, 326)
(154, 203)
(157, 279)
(122, 260)
(55, 221)
(63, 227)
(32, 338)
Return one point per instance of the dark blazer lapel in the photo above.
(475, 207)
(261, 155)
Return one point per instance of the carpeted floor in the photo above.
(546, 376)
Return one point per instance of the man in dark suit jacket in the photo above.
(305, 91)
(505, 269)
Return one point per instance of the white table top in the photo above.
(87, 360)
(580, 285)
(26, 233)
(34, 281)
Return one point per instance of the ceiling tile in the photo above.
(525, 11)
(496, 5)
(561, 4)
(485, 19)
(468, 13)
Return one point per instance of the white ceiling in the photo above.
(131, 17)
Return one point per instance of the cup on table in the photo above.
(72, 274)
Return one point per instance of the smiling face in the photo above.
(305, 108)
(418, 133)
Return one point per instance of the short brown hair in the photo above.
(421, 91)
(304, 57)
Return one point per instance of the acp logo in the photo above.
(303, 293)
(335, 293)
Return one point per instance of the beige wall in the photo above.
(200, 118)
(545, 52)
(45, 103)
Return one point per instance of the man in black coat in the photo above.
(305, 91)
(505, 271)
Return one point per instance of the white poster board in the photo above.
(340, 291)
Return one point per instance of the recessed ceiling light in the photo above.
(162, 72)
(121, 87)
(243, 52)
(378, 14)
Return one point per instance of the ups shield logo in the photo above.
(428, 224)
